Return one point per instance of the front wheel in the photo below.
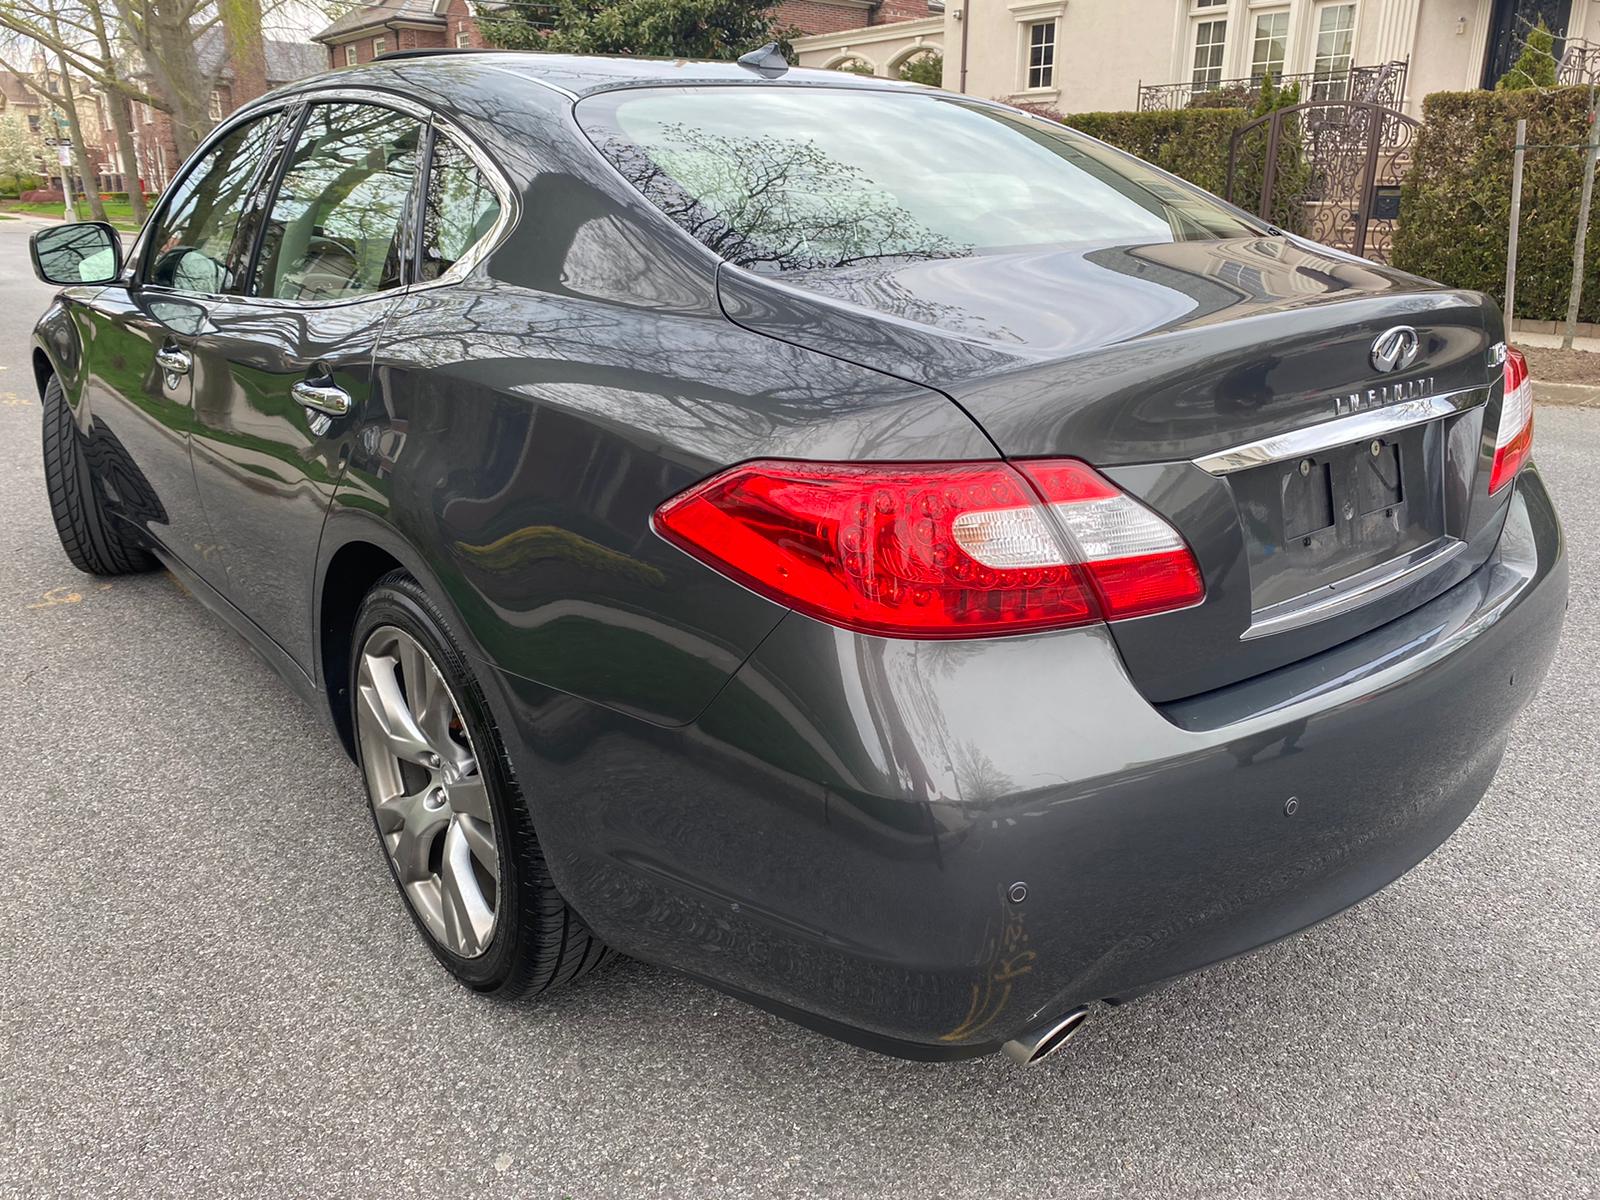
(91, 536)
(449, 814)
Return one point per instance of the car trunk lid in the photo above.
(1232, 385)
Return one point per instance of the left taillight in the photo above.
(1513, 441)
(936, 550)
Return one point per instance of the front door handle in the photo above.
(172, 360)
(322, 398)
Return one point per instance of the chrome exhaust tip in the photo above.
(1044, 1041)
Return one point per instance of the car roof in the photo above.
(576, 75)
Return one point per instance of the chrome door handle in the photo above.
(322, 398)
(172, 361)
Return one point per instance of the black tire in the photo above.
(539, 942)
(95, 541)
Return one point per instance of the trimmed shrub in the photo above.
(1535, 66)
(1192, 143)
(926, 69)
(1455, 206)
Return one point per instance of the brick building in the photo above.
(363, 33)
(834, 16)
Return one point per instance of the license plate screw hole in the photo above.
(1291, 806)
(1377, 449)
(1305, 466)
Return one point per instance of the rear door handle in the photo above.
(322, 398)
(172, 360)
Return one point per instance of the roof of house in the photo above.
(381, 13)
(14, 91)
(286, 61)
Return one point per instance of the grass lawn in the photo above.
(119, 214)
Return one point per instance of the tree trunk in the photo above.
(121, 111)
(80, 152)
(174, 67)
(122, 125)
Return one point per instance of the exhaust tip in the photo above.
(1044, 1041)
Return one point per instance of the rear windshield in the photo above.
(791, 178)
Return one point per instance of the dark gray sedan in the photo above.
(905, 563)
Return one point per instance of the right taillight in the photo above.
(936, 550)
(1513, 441)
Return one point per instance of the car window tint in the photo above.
(193, 239)
(335, 226)
(808, 178)
(460, 210)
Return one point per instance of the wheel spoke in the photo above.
(467, 918)
(469, 796)
(480, 840)
(384, 705)
(411, 827)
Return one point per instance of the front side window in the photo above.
(797, 179)
(1336, 33)
(191, 247)
(460, 210)
(1271, 45)
(1041, 54)
(335, 227)
(1210, 38)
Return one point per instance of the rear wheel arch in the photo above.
(350, 574)
(358, 549)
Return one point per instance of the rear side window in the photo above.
(780, 178)
(460, 210)
(192, 244)
(334, 230)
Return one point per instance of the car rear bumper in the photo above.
(838, 836)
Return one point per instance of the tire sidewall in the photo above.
(402, 604)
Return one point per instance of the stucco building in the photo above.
(1088, 55)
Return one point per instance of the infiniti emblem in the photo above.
(1395, 349)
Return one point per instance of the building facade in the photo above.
(1092, 55)
(365, 32)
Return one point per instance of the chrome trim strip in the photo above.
(1339, 598)
(1329, 435)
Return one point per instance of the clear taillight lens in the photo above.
(1513, 442)
(936, 550)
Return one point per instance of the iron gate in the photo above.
(1327, 169)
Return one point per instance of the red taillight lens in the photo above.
(935, 550)
(1513, 442)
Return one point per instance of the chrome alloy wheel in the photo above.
(427, 791)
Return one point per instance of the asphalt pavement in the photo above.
(208, 985)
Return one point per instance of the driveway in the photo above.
(208, 985)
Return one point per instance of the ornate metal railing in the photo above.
(1580, 63)
(1384, 84)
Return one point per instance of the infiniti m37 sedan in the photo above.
(893, 558)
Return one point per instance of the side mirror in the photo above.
(69, 255)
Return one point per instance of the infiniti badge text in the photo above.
(1383, 397)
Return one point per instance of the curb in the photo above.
(1583, 395)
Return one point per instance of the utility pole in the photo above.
(1581, 242)
(1516, 223)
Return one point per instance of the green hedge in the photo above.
(1192, 143)
(1455, 207)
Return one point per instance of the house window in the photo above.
(1042, 54)
(1210, 37)
(214, 105)
(463, 38)
(350, 55)
(1336, 35)
(1271, 45)
(379, 45)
